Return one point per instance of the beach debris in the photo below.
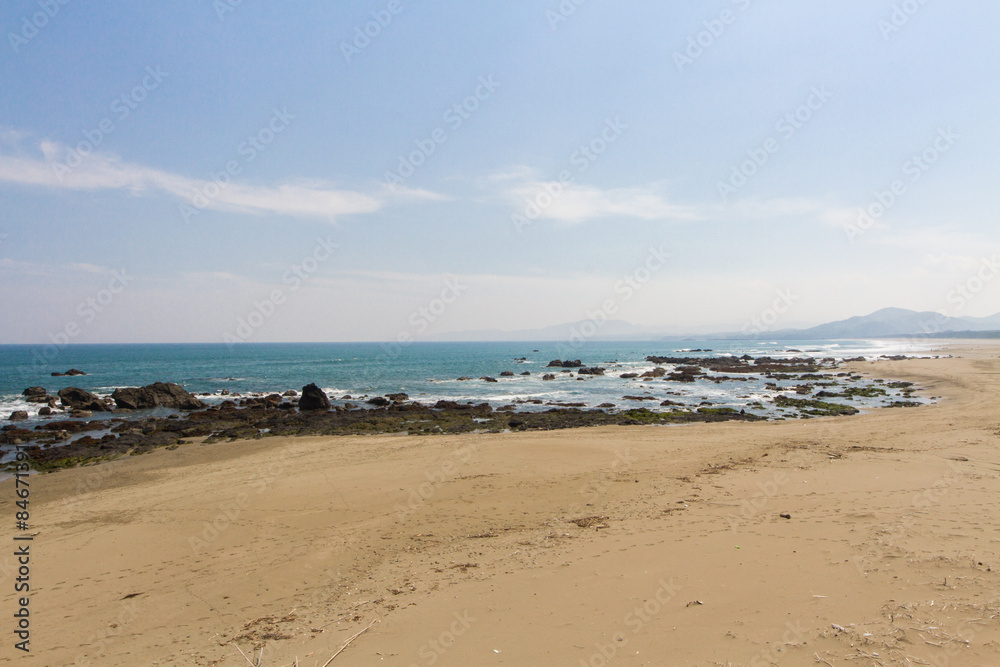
(785, 516)
(596, 522)
(694, 603)
(348, 642)
(131, 595)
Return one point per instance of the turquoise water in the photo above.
(426, 371)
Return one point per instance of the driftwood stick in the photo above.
(348, 642)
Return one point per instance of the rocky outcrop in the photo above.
(81, 399)
(70, 373)
(378, 401)
(487, 378)
(156, 395)
(507, 374)
(559, 363)
(313, 398)
(548, 376)
(399, 397)
(34, 392)
(596, 370)
(18, 416)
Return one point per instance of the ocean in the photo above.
(427, 372)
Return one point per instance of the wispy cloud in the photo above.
(106, 171)
(573, 203)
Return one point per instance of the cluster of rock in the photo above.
(82, 403)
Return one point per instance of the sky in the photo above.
(235, 170)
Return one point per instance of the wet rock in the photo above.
(81, 399)
(378, 401)
(158, 394)
(507, 374)
(313, 398)
(548, 376)
(34, 392)
(70, 373)
(526, 373)
(398, 397)
(628, 376)
(486, 378)
(18, 416)
(291, 392)
(596, 370)
(559, 363)
(45, 411)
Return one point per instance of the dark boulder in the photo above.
(45, 411)
(18, 416)
(486, 378)
(596, 370)
(507, 374)
(526, 373)
(378, 401)
(81, 399)
(158, 394)
(313, 398)
(398, 397)
(70, 373)
(34, 391)
(548, 376)
(558, 363)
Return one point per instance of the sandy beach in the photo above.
(863, 540)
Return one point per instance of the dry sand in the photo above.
(465, 552)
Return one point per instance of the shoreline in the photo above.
(553, 547)
(758, 389)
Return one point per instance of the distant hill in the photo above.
(892, 322)
(885, 323)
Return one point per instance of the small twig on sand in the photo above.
(243, 654)
(819, 659)
(348, 642)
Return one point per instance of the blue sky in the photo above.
(239, 160)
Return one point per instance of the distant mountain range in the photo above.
(885, 323)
